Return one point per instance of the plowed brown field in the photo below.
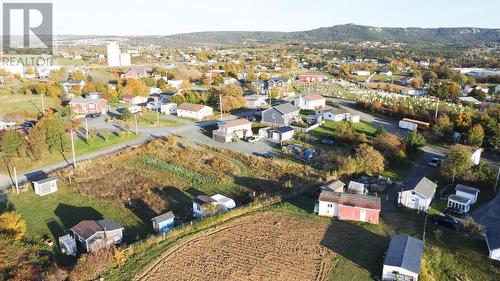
(268, 246)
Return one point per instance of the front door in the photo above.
(362, 215)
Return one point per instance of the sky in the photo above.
(165, 17)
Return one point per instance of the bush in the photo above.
(12, 224)
(415, 140)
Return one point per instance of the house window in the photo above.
(198, 207)
(329, 205)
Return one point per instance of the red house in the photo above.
(135, 73)
(347, 206)
(91, 104)
(311, 78)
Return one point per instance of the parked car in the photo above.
(326, 141)
(93, 115)
(456, 213)
(267, 155)
(447, 222)
(435, 162)
(254, 139)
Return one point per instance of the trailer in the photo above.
(421, 124)
(407, 125)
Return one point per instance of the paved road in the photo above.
(190, 130)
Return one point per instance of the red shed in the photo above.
(346, 206)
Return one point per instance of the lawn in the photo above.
(81, 148)
(25, 105)
(53, 214)
(329, 127)
(150, 118)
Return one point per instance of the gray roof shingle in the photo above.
(405, 252)
(286, 108)
(164, 217)
(422, 186)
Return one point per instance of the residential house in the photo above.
(334, 185)
(469, 88)
(177, 84)
(463, 198)
(233, 130)
(6, 125)
(403, 259)
(405, 80)
(282, 133)
(417, 193)
(256, 101)
(335, 114)
(94, 235)
(361, 72)
(230, 80)
(195, 111)
(281, 115)
(135, 72)
(164, 222)
(347, 206)
(131, 99)
(70, 85)
(493, 241)
(470, 100)
(414, 92)
(312, 78)
(91, 104)
(356, 187)
(45, 186)
(310, 102)
(385, 72)
(168, 108)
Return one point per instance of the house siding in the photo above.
(354, 214)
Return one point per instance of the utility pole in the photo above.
(425, 226)
(15, 180)
(73, 149)
(43, 105)
(437, 108)
(158, 117)
(220, 106)
(496, 183)
(135, 120)
(86, 129)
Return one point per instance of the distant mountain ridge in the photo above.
(347, 32)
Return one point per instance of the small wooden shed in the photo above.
(45, 186)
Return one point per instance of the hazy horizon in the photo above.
(159, 18)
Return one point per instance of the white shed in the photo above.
(45, 186)
(356, 187)
(226, 202)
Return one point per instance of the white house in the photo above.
(354, 118)
(45, 186)
(356, 187)
(175, 83)
(493, 241)
(282, 133)
(361, 72)
(415, 92)
(403, 259)
(310, 102)
(195, 111)
(335, 114)
(233, 130)
(168, 108)
(164, 222)
(255, 101)
(463, 198)
(417, 194)
(476, 155)
(94, 235)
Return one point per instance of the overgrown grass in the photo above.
(81, 148)
(330, 127)
(25, 105)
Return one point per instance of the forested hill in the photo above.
(348, 32)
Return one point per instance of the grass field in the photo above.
(53, 214)
(25, 105)
(328, 129)
(150, 118)
(81, 148)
